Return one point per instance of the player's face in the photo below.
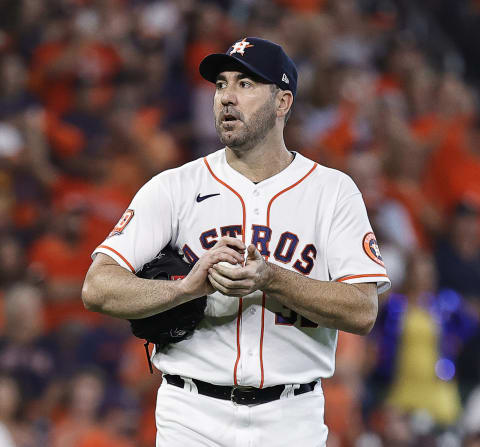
(244, 110)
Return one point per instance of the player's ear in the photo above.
(285, 101)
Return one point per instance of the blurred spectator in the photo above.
(390, 218)
(405, 163)
(93, 416)
(343, 417)
(458, 255)
(350, 44)
(211, 31)
(62, 258)
(421, 335)
(440, 105)
(472, 441)
(342, 95)
(15, 430)
(23, 349)
(394, 428)
(136, 377)
(26, 355)
(12, 262)
(100, 346)
(469, 371)
(454, 169)
(85, 393)
(14, 97)
(470, 422)
(72, 50)
(118, 428)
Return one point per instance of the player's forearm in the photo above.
(351, 308)
(114, 291)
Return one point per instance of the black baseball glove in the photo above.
(175, 324)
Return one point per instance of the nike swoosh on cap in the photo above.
(201, 198)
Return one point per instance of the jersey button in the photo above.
(256, 192)
(253, 310)
(256, 211)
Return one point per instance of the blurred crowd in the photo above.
(97, 96)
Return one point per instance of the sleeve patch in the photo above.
(370, 247)
(122, 223)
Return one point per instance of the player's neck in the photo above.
(260, 162)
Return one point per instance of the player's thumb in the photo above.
(253, 254)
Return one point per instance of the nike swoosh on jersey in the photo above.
(201, 198)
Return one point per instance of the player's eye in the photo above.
(220, 84)
(245, 84)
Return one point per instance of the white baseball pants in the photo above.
(185, 418)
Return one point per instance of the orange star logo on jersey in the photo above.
(371, 249)
(240, 47)
(122, 223)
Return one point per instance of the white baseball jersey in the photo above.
(307, 218)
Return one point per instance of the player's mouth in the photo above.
(228, 119)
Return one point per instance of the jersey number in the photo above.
(288, 317)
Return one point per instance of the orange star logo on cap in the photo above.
(240, 47)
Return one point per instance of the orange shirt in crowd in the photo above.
(333, 146)
(413, 198)
(453, 174)
(66, 139)
(56, 90)
(303, 6)
(388, 84)
(135, 375)
(435, 131)
(60, 260)
(194, 54)
(105, 202)
(68, 431)
(156, 146)
(56, 66)
(343, 414)
(98, 437)
(63, 265)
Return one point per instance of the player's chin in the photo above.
(230, 127)
(229, 138)
(229, 130)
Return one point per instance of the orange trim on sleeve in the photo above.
(264, 297)
(119, 255)
(240, 300)
(370, 275)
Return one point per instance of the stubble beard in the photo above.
(252, 132)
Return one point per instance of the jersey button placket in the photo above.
(256, 215)
(252, 211)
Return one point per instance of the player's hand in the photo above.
(227, 249)
(241, 281)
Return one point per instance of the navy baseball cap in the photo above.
(253, 55)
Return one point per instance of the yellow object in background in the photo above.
(416, 385)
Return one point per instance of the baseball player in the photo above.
(282, 248)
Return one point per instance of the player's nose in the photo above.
(228, 97)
